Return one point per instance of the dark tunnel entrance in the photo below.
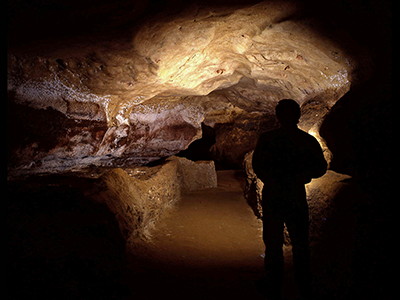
(201, 148)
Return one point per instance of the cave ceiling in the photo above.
(140, 95)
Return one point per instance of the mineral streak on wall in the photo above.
(129, 100)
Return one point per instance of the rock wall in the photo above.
(195, 176)
(50, 142)
(82, 103)
(321, 193)
(140, 197)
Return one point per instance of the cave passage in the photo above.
(209, 245)
(100, 90)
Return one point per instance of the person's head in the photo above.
(287, 112)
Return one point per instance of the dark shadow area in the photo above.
(60, 244)
(349, 259)
(175, 281)
(200, 149)
(359, 130)
(356, 244)
(30, 21)
(362, 28)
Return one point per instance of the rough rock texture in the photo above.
(129, 101)
(320, 194)
(99, 85)
(137, 201)
(140, 196)
(195, 176)
(253, 187)
(204, 50)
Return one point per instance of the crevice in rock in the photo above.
(201, 149)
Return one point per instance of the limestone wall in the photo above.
(140, 197)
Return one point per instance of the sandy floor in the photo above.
(208, 247)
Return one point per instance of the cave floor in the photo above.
(208, 247)
(62, 245)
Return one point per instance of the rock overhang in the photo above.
(150, 94)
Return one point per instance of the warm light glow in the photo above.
(315, 134)
(180, 71)
(202, 51)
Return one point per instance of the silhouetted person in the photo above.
(285, 160)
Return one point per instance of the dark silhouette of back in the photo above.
(285, 160)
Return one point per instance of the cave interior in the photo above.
(109, 101)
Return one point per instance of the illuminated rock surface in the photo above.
(97, 91)
(140, 197)
(127, 102)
